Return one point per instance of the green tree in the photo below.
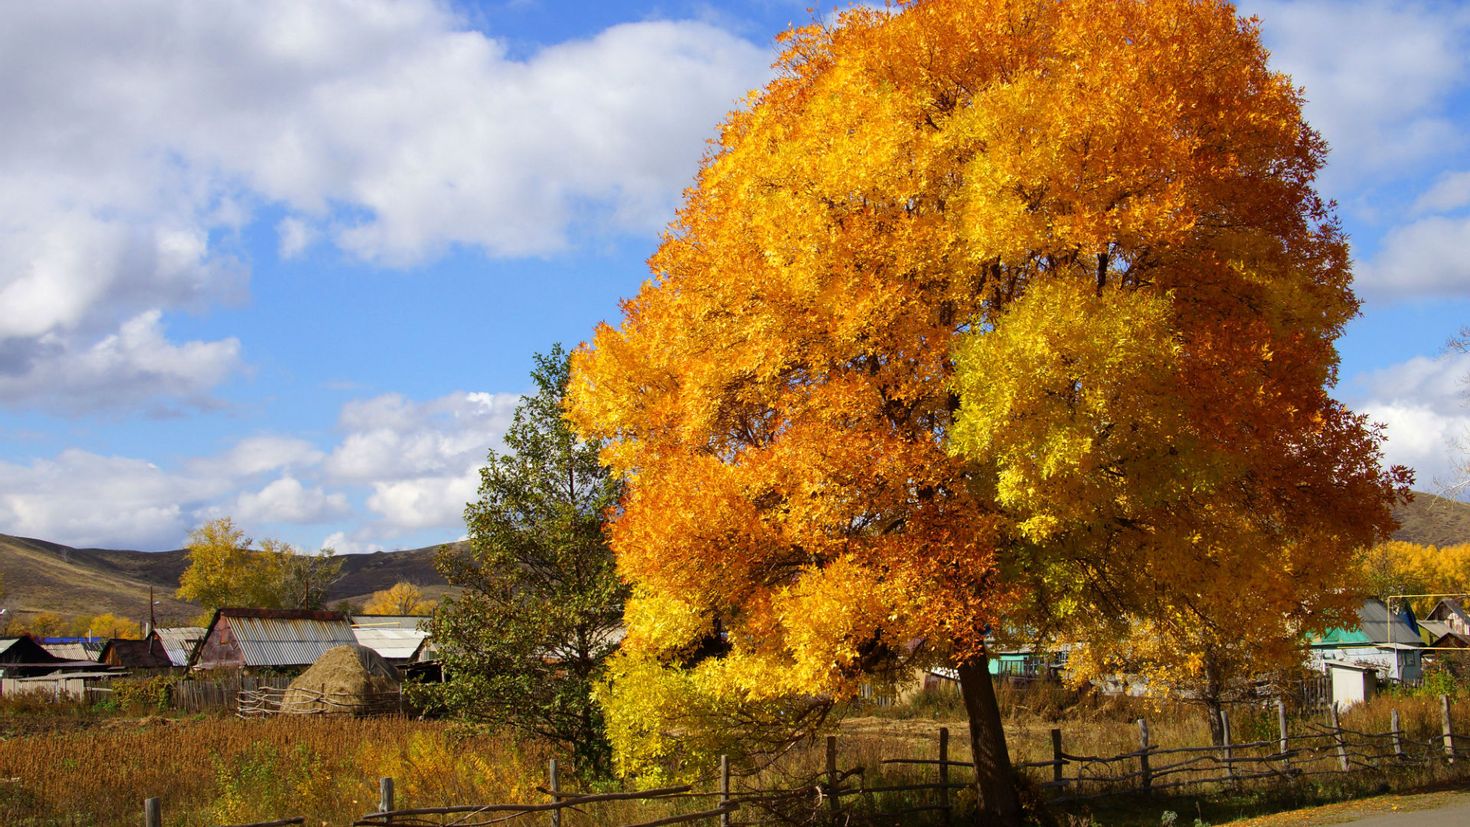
(527, 639)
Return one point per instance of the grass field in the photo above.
(72, 766)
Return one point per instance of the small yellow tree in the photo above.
(402, 598)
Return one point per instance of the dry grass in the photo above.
(60, 766)
(226, 770)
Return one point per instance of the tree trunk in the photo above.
(1211, 697)
(995, 783)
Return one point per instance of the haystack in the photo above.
(345, 680)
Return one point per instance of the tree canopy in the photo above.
(540, 607)
(986, 316)
(224, 570)
(402, 598)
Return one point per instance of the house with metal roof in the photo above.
(398, 638)
(147, 653)
(1388, 642)
(22, 657)
(269, 638)
(179, 641)
(74, 648)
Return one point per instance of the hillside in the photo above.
(1433, 521)
(44, 576)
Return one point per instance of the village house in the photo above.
(269, 639)
(1389, 643)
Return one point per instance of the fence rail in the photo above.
(268, 701)
(1315, 749)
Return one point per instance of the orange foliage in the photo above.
(829, 399)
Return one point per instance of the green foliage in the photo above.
(142, 694)
(541, 606)
(262, 782)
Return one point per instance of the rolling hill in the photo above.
(1433, 521)
(45, 576)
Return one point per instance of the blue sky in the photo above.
(289, 261)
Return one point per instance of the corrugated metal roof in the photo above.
(78, 650)
(179, 641)
(388, 621)
(393, 644)
(287, 641)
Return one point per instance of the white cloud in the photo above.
(258, 455)
(1450, 192)
(1430, 256)
(1423, 405)
(422, 460)
(295, 236)
(1377, 75)
(137, 134)
(342, 543)
(85, 499)
(134, 367)
(390, 438)
(286, 500)
(425, 502)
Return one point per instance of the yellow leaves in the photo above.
(1073, 399)
(402, 598)
(1090, 226)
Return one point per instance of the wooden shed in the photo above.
(239, 638)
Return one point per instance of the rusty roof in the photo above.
(283, 637)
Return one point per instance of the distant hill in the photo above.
(43, 576)
(1433, 521)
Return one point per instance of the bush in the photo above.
(142, 694)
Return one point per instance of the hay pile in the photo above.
(345, 680)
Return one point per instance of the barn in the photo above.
(258, 639)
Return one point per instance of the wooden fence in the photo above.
(272, 700)
(222, 692)
(845, 796)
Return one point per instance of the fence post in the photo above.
(1449, 731)
(944, 772)
(1228, 752)
(1281, 725)
(152, 813)
(834, 807)
(724, 790)
(553, 783)
(1342, 756)
(1145, 773)
(1397, 733)
(385, 797)
(1056, 757)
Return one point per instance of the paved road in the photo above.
(1456, 813)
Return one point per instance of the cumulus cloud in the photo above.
(1450, 192)
(286, 500)
(137, 136)
(1423, 404)
(137, 366)
(421, 459)
(1422, 258)
(392, 438)
(1378, 76)
(85, 499)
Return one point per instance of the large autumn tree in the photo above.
(986, 318)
